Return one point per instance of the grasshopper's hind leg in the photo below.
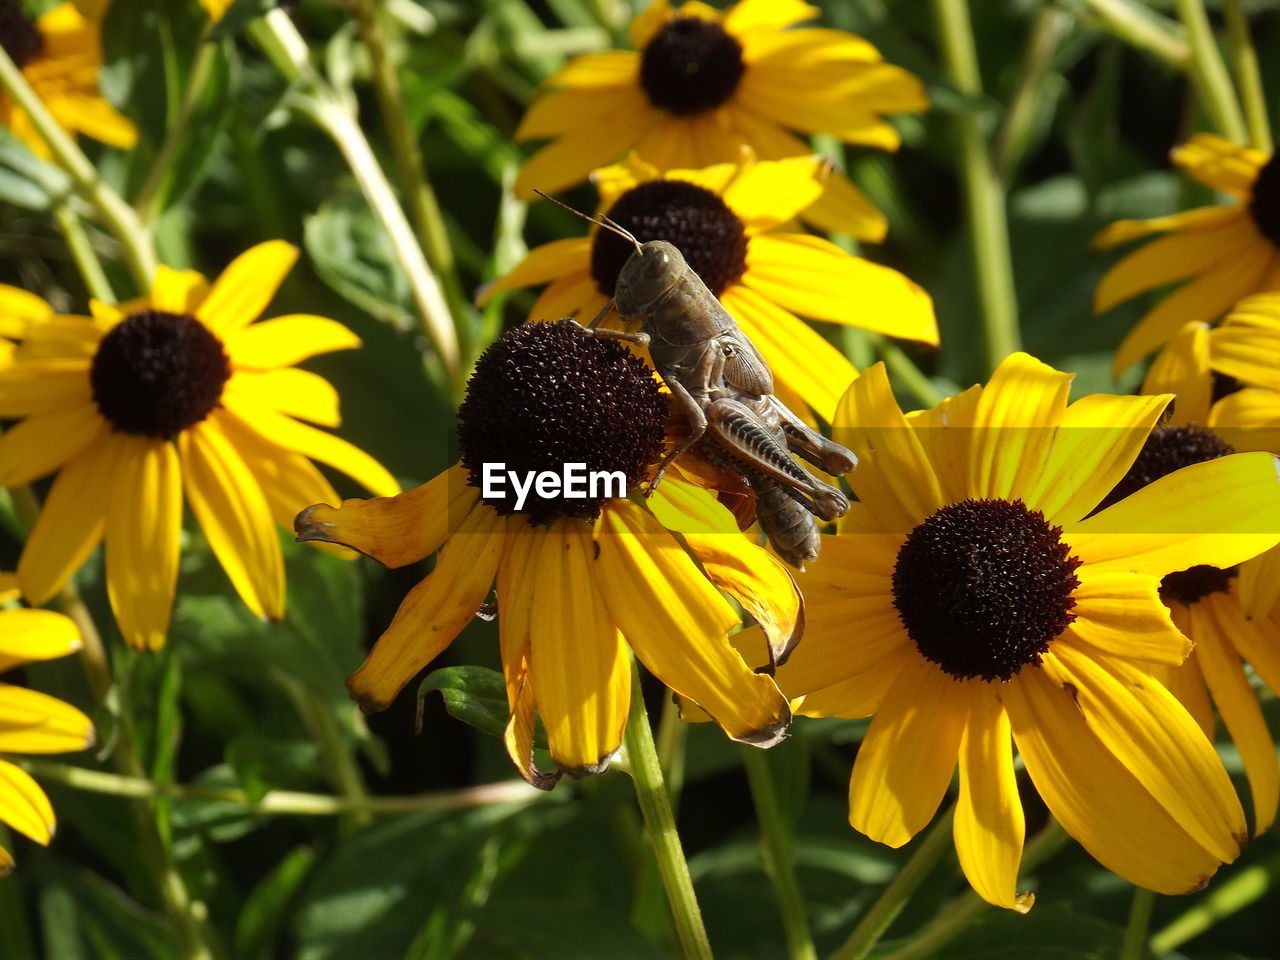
(806, 442)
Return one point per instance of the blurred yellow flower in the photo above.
(59, 55)
(1219, 254)
(972, 603)
(33, 722)
(579, 581)
(726, 220)
(702, 84)
(179, 391)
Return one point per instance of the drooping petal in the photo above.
(1120, 614)
(43, 442)
(677, 624)
(230, 507)
(72, 521)
(284, 341)
(244, 289)
(143, 532)
(434, 612)
(579, 666)
(1155, 738)
(27, 635)
(906, 760)
(1218, 513)
(1216, 621)
(989, 825)
(24, 806)
(34, 722)
(1094, 797)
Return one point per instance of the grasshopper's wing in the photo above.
(744, 368)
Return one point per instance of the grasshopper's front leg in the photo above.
(604, 333)
(811, 445)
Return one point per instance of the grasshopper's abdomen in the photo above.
(787, 523)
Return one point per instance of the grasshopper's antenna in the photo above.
(604, 222)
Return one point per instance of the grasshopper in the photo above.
(724, 389)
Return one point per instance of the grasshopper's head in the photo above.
(648, 274)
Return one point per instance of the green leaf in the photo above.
(475, 695)
(267, 904)
(351, 254)
(263, 763)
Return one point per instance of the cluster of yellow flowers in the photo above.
(1070, 580)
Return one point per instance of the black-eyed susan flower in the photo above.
(725, 219)
(1218, 254)
(175, 394)
(1205, 599)
(701, 84)
(59, 54)
(972, 604)
(580, 580)
(30, 721)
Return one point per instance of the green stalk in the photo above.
(83, 254)
(411, 171)
(961, 912)
(904, 370)
(1248, 77)
(1210, 73)
(671, 739)
(280, 41)
(984, 193)
(322, 725)
(150, 198)
(922, 862)
(1011, 141)
(118, 216)
(280, 802)
(1144, 29)
(1135, 931)
(660, 825)
(1225, 899)
(776, 850)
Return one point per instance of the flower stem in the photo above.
(83, 254)
(660, 825)
(1142, 28)
(775, 848)
(281, 802)
(984, 192)
(1011, 140)
(150, 199)
(1226, 898)
(905, 371)
(134, 238)
(1135, 931)
(278, 38)
(926, 856)
(322, 725)
(1248, 77)
(960, 913)
(670, 745)
(1210, 73)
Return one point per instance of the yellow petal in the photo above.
(944, 433)
(434, 612)
(1216, 620)
(144, 525)
(18, 308)
(43, 386)
(399, 530)
(860, 695)
(648, 22)
(1201, 218)
(1182, 369)
(1259, 643)
(27, 635)
(24, 806)
(578, 663)
(1218, 513)
(1247, 352)
(177, 291)
(816, 278)
(1120, 613)
(894, 477)
(66, 338)
(1095, 798)
(232, 511)
(1014, 427)
(287, 390)
(249, 283)
(1186, 682)
(1217, 162)
(284, 341)
(34, 722)
(989, 826)
(749, 16)
(906, 760)
(43, 442)
(612, 68)
(1156, 739)
(771, 192)
(677, 623)
(1249, 420)
(1260, 583)
(543, 264)
(72, 520)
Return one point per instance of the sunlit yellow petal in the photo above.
(1120, 614)
(43, 386)
(288, 390)
(18, 308)
(249, 283)
(177, 291)
(1182, 369)
(285, 341)
(1201, 218)
(43, 442)
(35, 635)
(771, 192)
(34, 722)
(860, 695)
(23, 805)
(1217, 162)
(543, 264)
(750, 16)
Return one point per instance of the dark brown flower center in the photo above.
(696, 221)
(18, 35)
(691, 65)
(156, 373)
(1265, 205)
(545, 395)
(983, 586)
